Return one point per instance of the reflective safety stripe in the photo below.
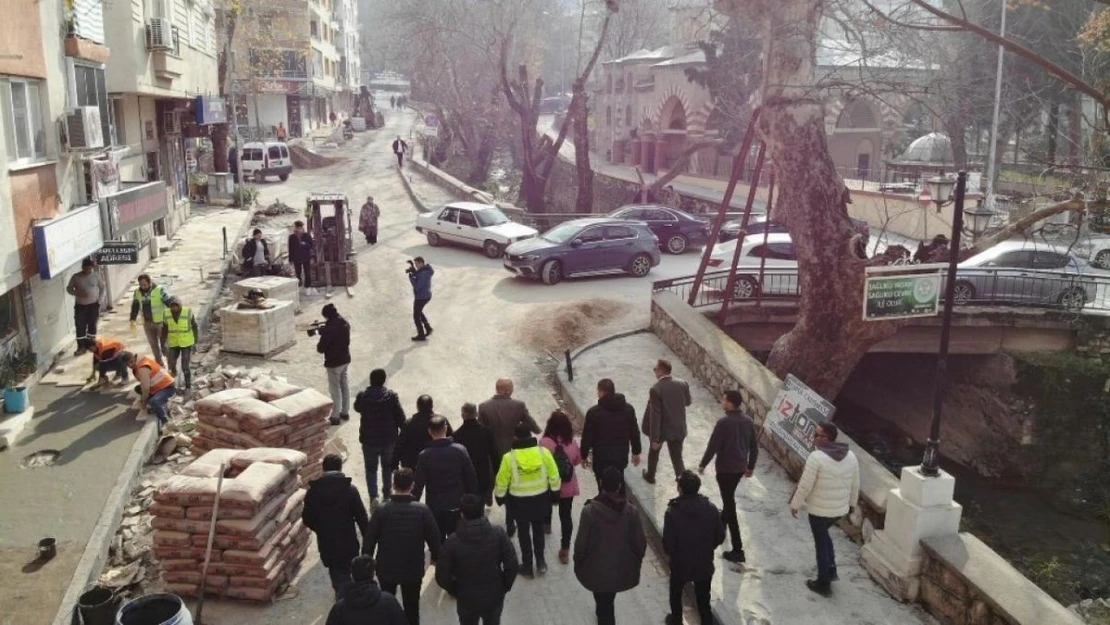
(180, 332)
(159, 378)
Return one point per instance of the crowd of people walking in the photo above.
(436, 484)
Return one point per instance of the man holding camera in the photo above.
(420, 275)
(335, 345)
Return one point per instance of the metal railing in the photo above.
(1049, 290)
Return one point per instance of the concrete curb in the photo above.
(96, 550)
(420, 205)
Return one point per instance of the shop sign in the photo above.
(210, 110)
(65, 241)
(135, 207)
(795, 413)
(118, 253)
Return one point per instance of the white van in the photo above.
(261, 159)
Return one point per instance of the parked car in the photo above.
(1095, 247)
(1026, 272)
(585, 247)
(677, 230)
(266, 158)
(776, 255)
(482, 226)
(731, 229)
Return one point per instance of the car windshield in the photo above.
(561, 233)
(490, 217)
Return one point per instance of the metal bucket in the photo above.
(158, 609)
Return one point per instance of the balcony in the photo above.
(167, 65)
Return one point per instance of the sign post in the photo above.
(795, 413)
(902, 296)
(431, 125)
(118, 253)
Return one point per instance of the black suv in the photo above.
(677, 230)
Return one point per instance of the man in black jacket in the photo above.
(256, 254)
(399, 531)
(478, 566)
(444, 468)
(335, 345)
(365, 602)
(692, 530)
(380, 422)
(479, 443)
(609, 431)
(736, 447)
(414, 435)
(332, 509)
(300, 253)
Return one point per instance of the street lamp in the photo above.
(980, 220)
(941, 188)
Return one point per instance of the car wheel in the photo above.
(552, 272)
(433, 239)
(745, 288)
(283, 177)
(963, 293)
(1102, 260)
(640, 265)
(677, 244)
(492, 248)
(1073, 299)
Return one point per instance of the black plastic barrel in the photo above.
(97, 606)
(157, 609)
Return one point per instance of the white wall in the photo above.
(130, 69)
(271, 109)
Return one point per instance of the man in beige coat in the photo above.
(501, 414)
(665, 419)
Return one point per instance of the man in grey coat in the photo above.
(501, 414)
(665, 419)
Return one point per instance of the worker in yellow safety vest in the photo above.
(150, 300)
(156, 385)
(179, 335)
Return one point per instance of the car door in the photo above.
(1055, 275)
(587, 251)
(782, 257)
(1006, 278)
(467, 229)
(619, 247)
(446, 223)
(662, 223)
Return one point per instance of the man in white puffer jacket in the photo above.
(828, 490)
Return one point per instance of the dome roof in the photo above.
(934, 147)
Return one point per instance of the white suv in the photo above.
(261, 159)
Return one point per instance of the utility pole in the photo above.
(992, 153)
(230, 90)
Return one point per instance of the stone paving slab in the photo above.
(770, 587)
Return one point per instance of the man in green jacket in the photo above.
(528, 481)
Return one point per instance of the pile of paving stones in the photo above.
(259, 539)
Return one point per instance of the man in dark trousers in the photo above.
(692, 530)
(300, 253)
(85, 287)
(420, 275)
(414, 435)
(477, 566)
(398, 532)
(665, 419)
(736, 447)
(333, 509)
(381, 418)
(444, 470)
(479, 443)
(335, 345)
(256, 254)
(399, 148)
(502, 414)
(610, 432)
(365, 602)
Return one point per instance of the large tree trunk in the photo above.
(585, 172)
(220, 132)
(830, 336)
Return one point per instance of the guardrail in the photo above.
(1030, 288)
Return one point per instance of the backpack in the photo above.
(562, 460)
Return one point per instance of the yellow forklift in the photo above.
(328, 219)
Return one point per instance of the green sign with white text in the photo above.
(901, 297)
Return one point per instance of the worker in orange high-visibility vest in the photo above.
(156, 385)
(105, 359)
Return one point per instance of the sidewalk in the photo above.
(100, 445)
(770, 588)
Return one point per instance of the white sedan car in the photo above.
(483, 226)
(777, 255)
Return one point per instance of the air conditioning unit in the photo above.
(83, 130)
(171, 123)
(159, 34)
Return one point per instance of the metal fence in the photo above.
(1049, 290)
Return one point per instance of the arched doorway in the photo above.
(855, 139)
(672, 133)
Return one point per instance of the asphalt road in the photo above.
(487, 325)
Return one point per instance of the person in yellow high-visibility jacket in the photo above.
(529, 482)
(179, 334)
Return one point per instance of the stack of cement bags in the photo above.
(260, 540)
(266, 414)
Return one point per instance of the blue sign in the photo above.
(62, 242)
(210, 110)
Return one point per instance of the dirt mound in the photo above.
(569, 326)
(304, 158)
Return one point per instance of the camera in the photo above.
(411, 268)
(314, 327)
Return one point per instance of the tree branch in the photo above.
(1022, 226)
(680, 164)
(926, 27)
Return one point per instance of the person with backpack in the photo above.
(558, 437)
(527, 483)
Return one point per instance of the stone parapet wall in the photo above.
(1093, 338)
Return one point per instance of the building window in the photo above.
(608, 116)
(628, 115)
(9, 315)
(313, 29)
(90, 90)
(21, 107)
